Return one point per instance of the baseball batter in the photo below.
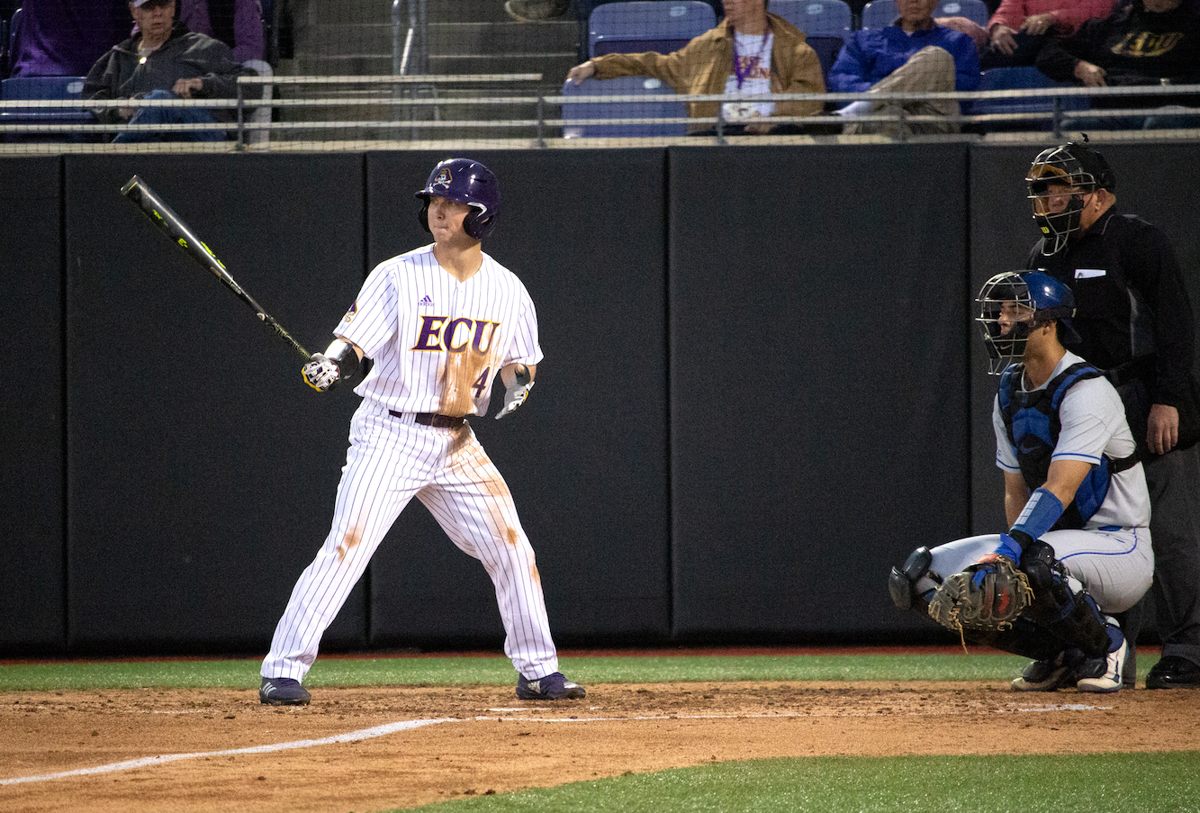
(1075, 497)
(438, 323)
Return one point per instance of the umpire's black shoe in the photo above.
(283, 692)
(1174, 672)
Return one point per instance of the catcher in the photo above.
(1078, 546)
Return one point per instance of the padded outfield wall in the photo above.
(762, 388)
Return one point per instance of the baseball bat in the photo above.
(161, 215)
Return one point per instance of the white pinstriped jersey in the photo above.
(435, 343)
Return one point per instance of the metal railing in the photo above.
(541, 119)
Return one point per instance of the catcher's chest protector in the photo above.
(1033, 425)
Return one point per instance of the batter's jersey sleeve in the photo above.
(371, 321)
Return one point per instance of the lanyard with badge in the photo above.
(740, 111)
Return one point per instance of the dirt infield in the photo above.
(481, 739)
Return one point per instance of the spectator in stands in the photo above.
(1147, 42)
(64, 37)
(237, 23)
(1019, 28)
(913, 54)
(164, 61)
(750, 52)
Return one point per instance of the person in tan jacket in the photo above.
(750, 52)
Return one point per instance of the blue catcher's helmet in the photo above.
(464, 181)
(1012, 303)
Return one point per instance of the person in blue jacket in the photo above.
(912, 55)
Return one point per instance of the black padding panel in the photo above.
(31, 407)
(818, 383)
(586, 456)
(202, 468)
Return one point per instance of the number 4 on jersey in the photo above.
(481, 383)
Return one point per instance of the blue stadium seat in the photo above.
(973, 10)
(647, 25)
(882, 13)
(827, 49)
(45, 88)
(577, 116)
(816, 18)
(1022, 78)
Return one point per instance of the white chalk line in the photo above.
(405, 725)
(352, 736)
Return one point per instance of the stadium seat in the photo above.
(647, 25)
(577, 116)
(45, 88)
(1022, 78)
(816, 18)
(827, 49)
(882, 13)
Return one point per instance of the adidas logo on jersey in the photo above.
(425, 300)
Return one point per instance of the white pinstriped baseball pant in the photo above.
(391, 460)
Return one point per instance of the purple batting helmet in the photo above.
(464, 181)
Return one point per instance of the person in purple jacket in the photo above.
(237, 23)
(65, 37)
(912, 55)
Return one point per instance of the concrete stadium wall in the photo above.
(762, 388)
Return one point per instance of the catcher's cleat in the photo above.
(1103, 675)
(1051, 675)
(283, 692)
(551, 687)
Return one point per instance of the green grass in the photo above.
(1112, 783)
(194, 674)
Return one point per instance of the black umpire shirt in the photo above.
(1132, 306)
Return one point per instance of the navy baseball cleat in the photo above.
(1051, 675)
(551, 687)
(283, 692)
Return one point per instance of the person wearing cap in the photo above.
(1135, 321)
(164, 60)
(1143, 42)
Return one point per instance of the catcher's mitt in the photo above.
(982, 597)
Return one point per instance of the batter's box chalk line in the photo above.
(408, 725)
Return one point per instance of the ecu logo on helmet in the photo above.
(443, 177)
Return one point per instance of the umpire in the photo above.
(1136, 322)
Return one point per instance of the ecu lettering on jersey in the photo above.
(440, 334)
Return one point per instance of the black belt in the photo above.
(432, 419)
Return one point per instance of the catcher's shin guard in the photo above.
(902, 581)
(1024, 638)
(1072, 617)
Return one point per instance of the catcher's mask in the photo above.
(1012, 304)
(1078, 168)
(464, 181)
